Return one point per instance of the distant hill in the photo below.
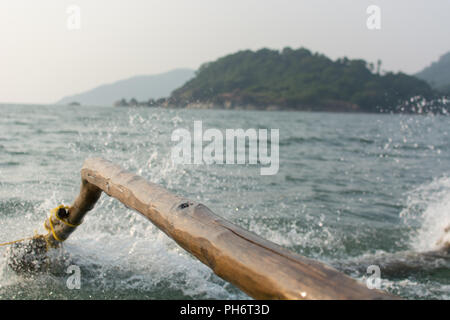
(296, 80)
(438, 74)
(140, 87)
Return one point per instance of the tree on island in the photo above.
(299, 80)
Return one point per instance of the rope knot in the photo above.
(59, 215)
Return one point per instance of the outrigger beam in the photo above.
(260, 268)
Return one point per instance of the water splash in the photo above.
(427, 214)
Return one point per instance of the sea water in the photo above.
(352, 190)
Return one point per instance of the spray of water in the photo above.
(427, 213)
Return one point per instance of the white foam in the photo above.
(427, 213)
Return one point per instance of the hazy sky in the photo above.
(41, 60)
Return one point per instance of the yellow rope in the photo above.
(15, 241)
(52, 229)
(54, 213)
(36, 236)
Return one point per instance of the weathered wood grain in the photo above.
(257, 266)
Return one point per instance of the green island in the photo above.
(302, 80)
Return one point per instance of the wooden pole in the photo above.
(257, 266)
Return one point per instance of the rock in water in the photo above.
(29, 256)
